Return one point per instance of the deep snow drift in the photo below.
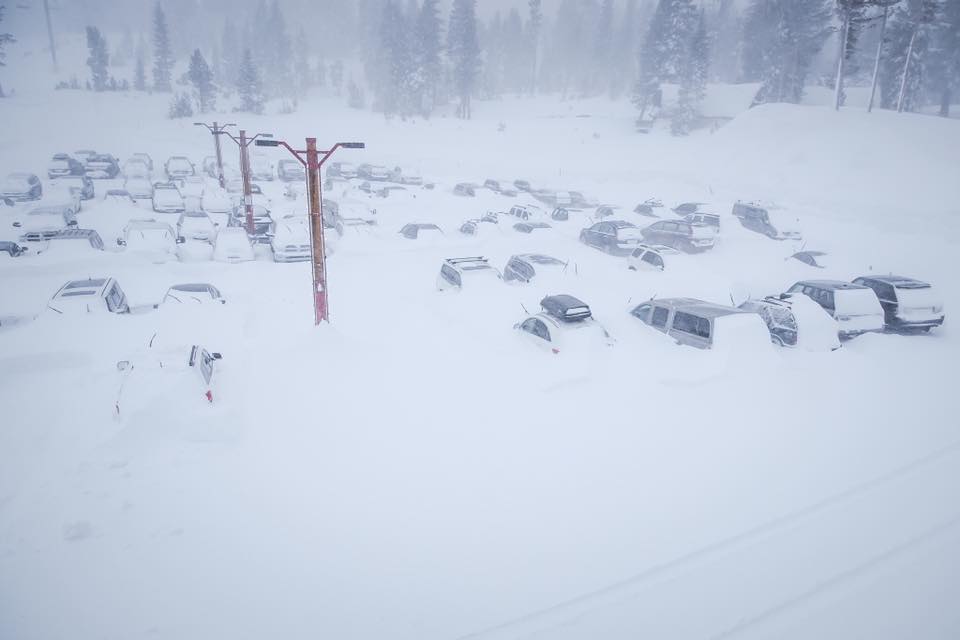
(415, 470)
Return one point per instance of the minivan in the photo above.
(697, 323)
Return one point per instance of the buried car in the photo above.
(150, 237)
(167, 199)
(761, 220)
(685, 236)
(702, 324)
(193, 293)
(564, 324)
(617, 237)
(854, 306)
(93, 295)
(416, 230)
(524, 267)
(44, 221)
(475, 270)
(645, 258)
(907, 303)
(196, 225)
(291, 241)
(21, 187)
(233, 245)
(794, 320)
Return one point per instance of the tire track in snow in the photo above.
(557, 614)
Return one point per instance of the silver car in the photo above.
(697, 323)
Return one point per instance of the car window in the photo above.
(689, 323)
(652, 258)
(885, 292)
(642, 311)
(450, 275)
(541, 331)
(659, 318)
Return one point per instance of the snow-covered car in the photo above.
(233, 245)
(351, 212)
(63, 165)
(102, 166)
(703, 325)
(144, 158)
(685, 208)
(565, 324)
(684, 236)
(118, 196)
(216, 201)
(406, 176)
(167, 199)
(646, 207)
(157, 239)
(290, 170)
(710, 219)
(62, 192)
(83, 184)
(645, 259)
(44, 221)
(525, 267)
(138, 188)
(523, 185)
(193, 293)
(341, 170)
(262, 222)
(177, 167)
(192, 186)
(456, 272)
(617, 237)
(855, 307)
(21, 187)
(196, 225)
(794, 320)
(773, 224)
(553, 198)
(93, 295)
(908, 304)
(527, 212)
(375, 172)
(261, 168)
(84, 154)
(465, 189)
(503, 187)
(415, 231)
(530, 227)
(73, 239)
(291, 240)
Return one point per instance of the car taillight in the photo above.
(555, 350)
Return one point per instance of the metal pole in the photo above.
(245, 171)
(53, 44)
(320, 301)
(216, 144)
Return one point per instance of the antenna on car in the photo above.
(524, 308)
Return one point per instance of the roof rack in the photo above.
(566, 308)
(466, 259)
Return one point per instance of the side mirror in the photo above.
(17, 224)
(72, 223)
(120, 242)
(181, 240)
(216, 355)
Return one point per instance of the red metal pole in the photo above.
(245, 172)
(320, 300)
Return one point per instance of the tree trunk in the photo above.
(946, 96)
(906, 72)
(842, 58)
(876, 61)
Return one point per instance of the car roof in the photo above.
(831, 284)
(192, 286)
(901, 282)
(90, 285)
(140, 225)
(620, 224)
(696, 306)
(539, 258)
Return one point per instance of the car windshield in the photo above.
(85, 284)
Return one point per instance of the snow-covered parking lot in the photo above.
(415, 469)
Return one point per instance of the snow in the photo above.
(411, 471)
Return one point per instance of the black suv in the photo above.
(689, 237)
(907, 303)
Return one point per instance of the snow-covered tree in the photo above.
(202, 80)
(5, 39)
(905, 54)
(428, 50)
(463, 49)
(303, 74)
(249, 87)
(397, 82)
(277, 54)
(534, 27)
(98, 59)
(693, 80)
(181, 106)
(781, 39)
(162, 51)
(663, 49)
(623, 63)
(944, 66)
(598, 78)
(230, 53)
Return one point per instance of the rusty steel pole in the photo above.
(216, 144)
(245, 172)
(321, 309)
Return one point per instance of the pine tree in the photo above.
(464, 51)
(5, 39)
(663, 49)
(905, 54)
(534, 27)
(396, 80)
(277, 54)
(301, 63)
(336, 76)
(427, 53)
(781, 39)
(944, 66)
(693, 80)
(249, 86)
(162, 52)
(603, 42)
(180, 106)
(623, 61)
(140, 74)
(202, 80)
(98, 60)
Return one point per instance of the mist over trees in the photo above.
(415, 58)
